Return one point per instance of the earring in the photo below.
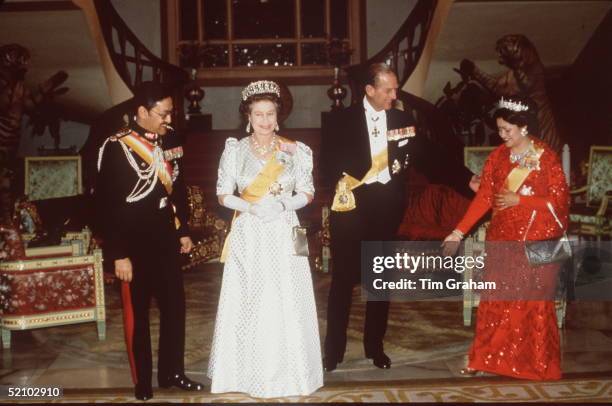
(276, 128)
(524, 131)
(248, 127)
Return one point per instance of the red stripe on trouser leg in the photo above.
(128, 327)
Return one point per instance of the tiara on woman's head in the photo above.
(260, 87)
(510, 105)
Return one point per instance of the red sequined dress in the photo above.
(518, 337)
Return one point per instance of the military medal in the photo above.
(396, 167)
(401, 133)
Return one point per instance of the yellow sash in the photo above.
(518, 175)
(257, 189)
(344, 199)
(145, 150)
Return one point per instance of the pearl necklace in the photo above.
(263, 150)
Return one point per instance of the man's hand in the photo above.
(475, 183)
(123, 269)
(186, 245)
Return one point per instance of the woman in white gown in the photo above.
(266, 337)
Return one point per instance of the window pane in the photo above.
(207, 56)
(264, 18)
(214, 15)
(339, 19)
(268, 55)
(313, 18)
(214, 56)
(314, 54)
(188, 15)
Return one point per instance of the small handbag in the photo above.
(547, 251)
(300, 241)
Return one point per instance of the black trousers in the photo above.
(376, 218)
(157, 274)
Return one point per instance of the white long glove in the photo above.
(295, 202)
(237, 203)
(264, 210)
(270, 210)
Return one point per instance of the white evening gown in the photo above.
(266, 337)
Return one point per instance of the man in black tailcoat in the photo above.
(374, 143)
(142, 212)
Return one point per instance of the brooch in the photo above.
(276, 189)
(283, 158)
(526, 191)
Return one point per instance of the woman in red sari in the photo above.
(516, 335)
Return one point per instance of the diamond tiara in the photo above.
(260, 87)
(510, 105)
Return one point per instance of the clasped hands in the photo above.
(267, 210)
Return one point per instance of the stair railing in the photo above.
(134, 62)
(402, 52)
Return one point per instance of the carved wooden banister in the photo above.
(402, 52)
(130, 56)
(134, 62)
(432, 123)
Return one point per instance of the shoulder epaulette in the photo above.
(123, 132)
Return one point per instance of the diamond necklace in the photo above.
(520, 156)
(263, 150)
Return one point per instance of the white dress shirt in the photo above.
(377, 130)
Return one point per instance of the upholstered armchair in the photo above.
(475, 157)
(46, 286)
(51, 286)
(591, 216)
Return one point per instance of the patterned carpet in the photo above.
(472, 390)
(418, 331)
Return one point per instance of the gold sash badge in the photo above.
(344, 199)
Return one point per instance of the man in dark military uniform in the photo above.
(142, 210)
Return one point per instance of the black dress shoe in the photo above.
(142, 392)
(329, 364)
(380, 360)
(180, 381)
